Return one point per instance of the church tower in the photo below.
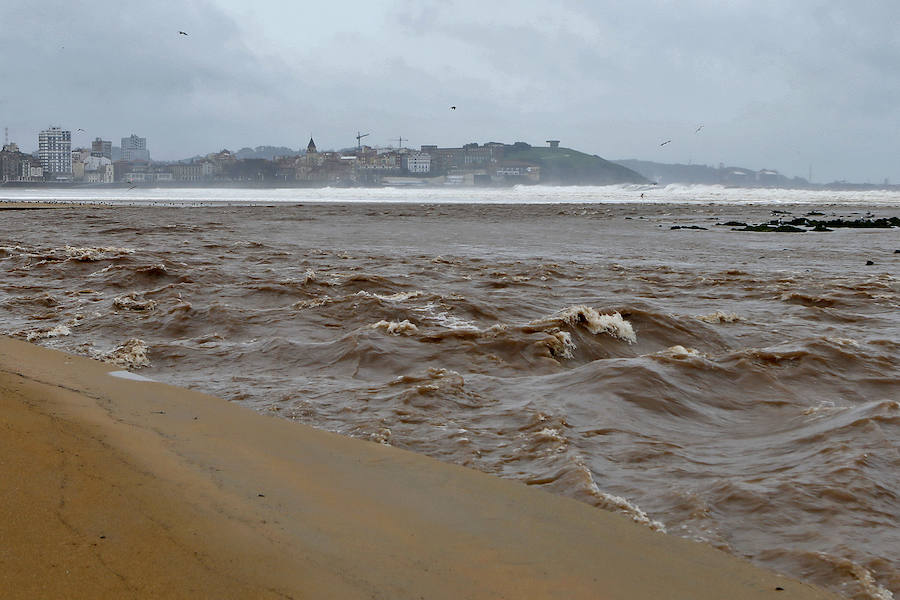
(311, 147)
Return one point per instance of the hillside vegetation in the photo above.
(568, 166)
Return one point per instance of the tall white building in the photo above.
(135, 148)
(55, 152)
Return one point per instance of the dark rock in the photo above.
(767, 228)
(869, 263)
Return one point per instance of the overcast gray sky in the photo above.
(775, 84)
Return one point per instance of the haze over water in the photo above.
(738, 388)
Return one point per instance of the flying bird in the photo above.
(666, 142)
(182, 33)
(699, 128)
(452, 108)
(80, 129)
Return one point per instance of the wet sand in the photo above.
(124, 488)
(12, 205)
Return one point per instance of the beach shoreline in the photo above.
(126, 487)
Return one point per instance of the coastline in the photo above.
(136, 488)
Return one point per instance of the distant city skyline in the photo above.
(774, 85)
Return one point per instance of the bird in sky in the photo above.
(699, 128)
(80, 129)
(182, 33)
(666, 142)
(452, 108)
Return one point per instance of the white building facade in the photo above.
(99, 169)
(135, 148)
(55, 152)
(417, 162)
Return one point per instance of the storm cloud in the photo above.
(776, 85)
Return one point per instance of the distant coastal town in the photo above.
(130, 163)
(56, 163)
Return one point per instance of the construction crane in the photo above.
(359, 137)
(401, 139)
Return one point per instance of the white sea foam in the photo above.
(131, 302)
(720, 317)
(613, 325)
(866, 579)
(549, 433)
(561, 344)
(101, 271)
(436, 313)
(42, 334)
(824, 406)
(609, 194)
(404, 327)
(398, 297)
(313, 303)
(679, 351)
(94, 253)
(617, 503)
(130, 355)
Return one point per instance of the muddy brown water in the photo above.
(736, 388)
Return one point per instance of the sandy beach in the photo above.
(122, 488)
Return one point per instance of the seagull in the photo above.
(666, 142)
(80, 129)
(182, 33)
(699, 128)
(452, 108)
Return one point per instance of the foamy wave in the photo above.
(617, 503)
(89, 254)
(435, 313)
(101, 271)
(131, 355)
(807, 299)
(866, 579)
(131, 302)
(404, 327)
(679, 351)
(613, 325)
(824, 406)
(549, 433)
(561, 344)
(314, 303)
(720, 317)
(398, 297)
(42, 334)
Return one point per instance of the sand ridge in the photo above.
(119, 488)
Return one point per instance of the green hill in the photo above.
(570, 167)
